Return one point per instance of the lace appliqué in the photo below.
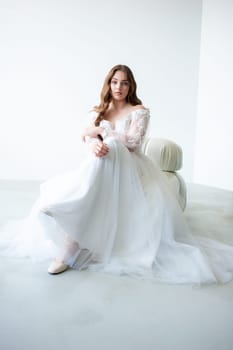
(130, 130)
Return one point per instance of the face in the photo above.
(119, 86)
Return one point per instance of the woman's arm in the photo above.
(92, 131)
(92, 136)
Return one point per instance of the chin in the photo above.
(119, 98)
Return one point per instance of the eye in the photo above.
(114, 82)
(126, 83)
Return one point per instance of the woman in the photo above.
(115, 213)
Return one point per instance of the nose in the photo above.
(119, 86)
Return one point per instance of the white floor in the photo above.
(83, 310)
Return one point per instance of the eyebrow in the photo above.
(118, 79)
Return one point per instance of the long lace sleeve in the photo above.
(133, 131)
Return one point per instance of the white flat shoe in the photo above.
(57, 266)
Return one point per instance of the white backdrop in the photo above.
(54, 57)
(214, 144)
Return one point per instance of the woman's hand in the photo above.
(92, 132)
(100, 149)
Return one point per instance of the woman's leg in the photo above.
(66, 257)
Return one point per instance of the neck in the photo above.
(117, 105)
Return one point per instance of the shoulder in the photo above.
(138, 107)
(92, 115)
(141, 111)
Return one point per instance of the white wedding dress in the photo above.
(116, 214)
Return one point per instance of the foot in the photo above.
(57, 266)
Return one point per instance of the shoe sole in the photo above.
(57, 273)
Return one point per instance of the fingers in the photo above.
(101, 149)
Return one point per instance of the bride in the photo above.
(115, 213)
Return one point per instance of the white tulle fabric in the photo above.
(116, 214)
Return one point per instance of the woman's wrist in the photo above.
(94, 132)
(100, 130)
(103, 133)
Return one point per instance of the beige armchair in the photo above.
(168, 156)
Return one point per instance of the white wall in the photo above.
(214, 141)
(54, 57)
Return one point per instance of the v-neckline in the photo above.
(113, 125)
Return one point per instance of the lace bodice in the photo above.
(130, 130)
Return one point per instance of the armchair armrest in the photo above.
(169, 157)
(165, 153)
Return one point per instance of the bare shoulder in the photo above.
(138, 107)
(141, 109)
(92, 115)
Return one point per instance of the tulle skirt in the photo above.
(116, 214)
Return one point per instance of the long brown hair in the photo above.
(105, 96)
